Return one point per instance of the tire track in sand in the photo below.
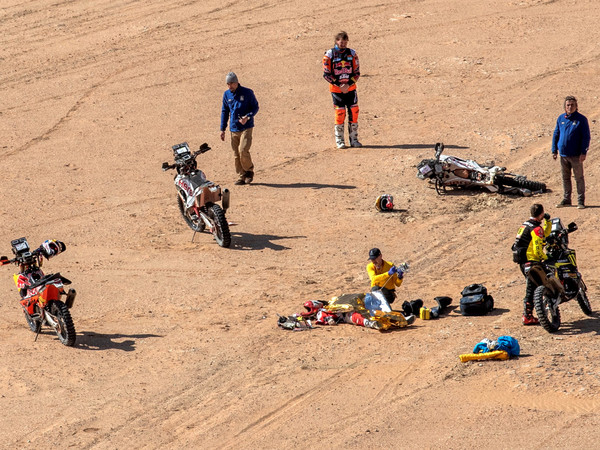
(275, 414)
(65, 118)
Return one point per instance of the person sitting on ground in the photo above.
(384, 275)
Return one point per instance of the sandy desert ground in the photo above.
(177, 343)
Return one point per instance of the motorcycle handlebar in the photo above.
(203, 149)
(11, 261)
(19, 259)
(439, 148)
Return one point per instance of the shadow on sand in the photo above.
(581, 326)
(411, 146)
(305, 185)
(90, 340)
(248, 241)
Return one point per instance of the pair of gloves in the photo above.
(395, 270)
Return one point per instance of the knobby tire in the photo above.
(519, 182)
(549, 320)
(221, 231)
(584, 302)
(34, 325)
(440, 188)
(66, 328)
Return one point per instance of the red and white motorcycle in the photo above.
(197, 197)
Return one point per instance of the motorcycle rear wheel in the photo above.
(221, 231)
(66, 329)
(519, 182)
(196, 224)
(584, 302)
(34, 325)
(549, 319)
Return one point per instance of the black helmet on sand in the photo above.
(443, 303)
(412, 307)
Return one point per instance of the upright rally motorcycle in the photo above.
(41, 294)
(558, 278)
(197, 197)
(449, 171)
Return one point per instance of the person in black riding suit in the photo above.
(528, 250)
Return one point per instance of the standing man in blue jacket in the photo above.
(571, 140)
(239, 108)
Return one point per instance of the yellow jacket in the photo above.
(381, 278)
(535, 250)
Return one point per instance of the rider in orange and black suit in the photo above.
(529, 250)
(341, 69)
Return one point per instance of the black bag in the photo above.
(476, 301)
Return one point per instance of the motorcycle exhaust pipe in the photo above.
(70, 298)
(225, 199)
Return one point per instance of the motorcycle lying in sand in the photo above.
(197, 197)
(558, 278)
(450, 171)
(41, 294)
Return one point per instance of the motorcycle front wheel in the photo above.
(34, 325)
(548, 316)
(221, 227)
(65, 329)
(194, 222)
(584, 302)
(440, 187)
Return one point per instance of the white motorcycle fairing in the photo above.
(466, 171)
(190, 187)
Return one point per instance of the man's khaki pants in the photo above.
(572, 163)
(241, 141)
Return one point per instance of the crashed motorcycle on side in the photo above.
(41, 294)
(197, 197)
(446, 171)
(558, 278)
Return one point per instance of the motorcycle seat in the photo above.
(48, 278)
(198, 182)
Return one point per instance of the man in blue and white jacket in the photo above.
(239, 108)
(571, 141)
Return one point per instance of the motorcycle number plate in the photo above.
(21, 246)
(425, 170)
(182, 150)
